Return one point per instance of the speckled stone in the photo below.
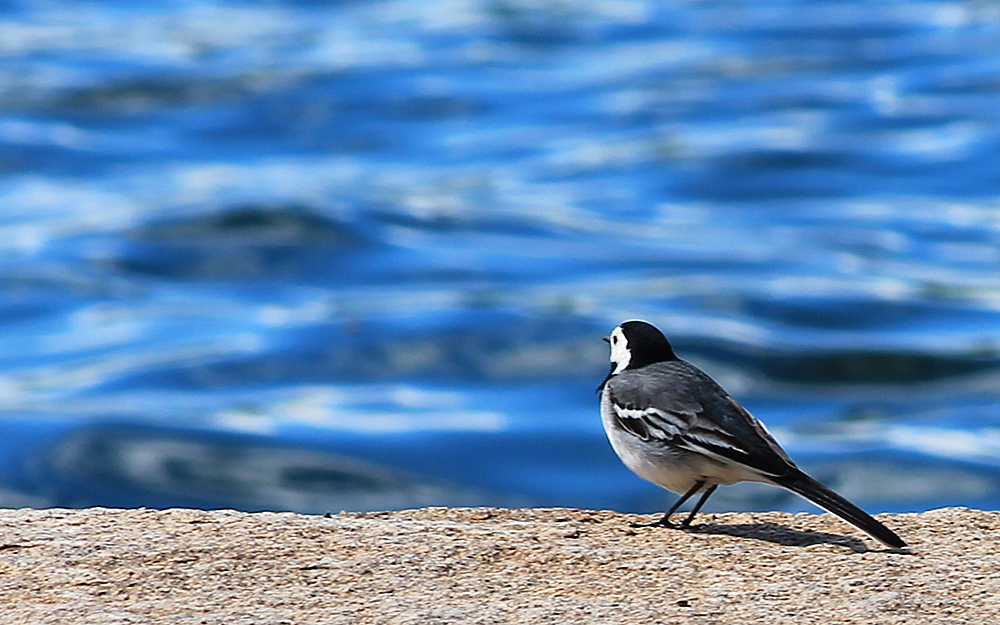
(491, 565)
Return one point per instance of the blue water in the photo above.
(359, 255)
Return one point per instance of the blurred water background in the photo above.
(318, 256)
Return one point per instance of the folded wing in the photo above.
(674, 403)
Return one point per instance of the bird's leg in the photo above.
(701, 502)
(664, 521)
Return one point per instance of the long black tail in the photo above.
(801, 484)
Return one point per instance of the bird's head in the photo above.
(635, 344)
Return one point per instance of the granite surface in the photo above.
(491, 565)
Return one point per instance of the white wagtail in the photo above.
(673, 425)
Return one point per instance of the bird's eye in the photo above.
(614, 340)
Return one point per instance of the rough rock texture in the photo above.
(489, 565)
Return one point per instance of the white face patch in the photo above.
(620, 354)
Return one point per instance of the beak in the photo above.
(606, 340)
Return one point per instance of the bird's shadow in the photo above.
(781, 535)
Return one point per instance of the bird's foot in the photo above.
(662, 522)
(666, 522)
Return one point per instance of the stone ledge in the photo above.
(490, 565)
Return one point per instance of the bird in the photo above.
(673, 425)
